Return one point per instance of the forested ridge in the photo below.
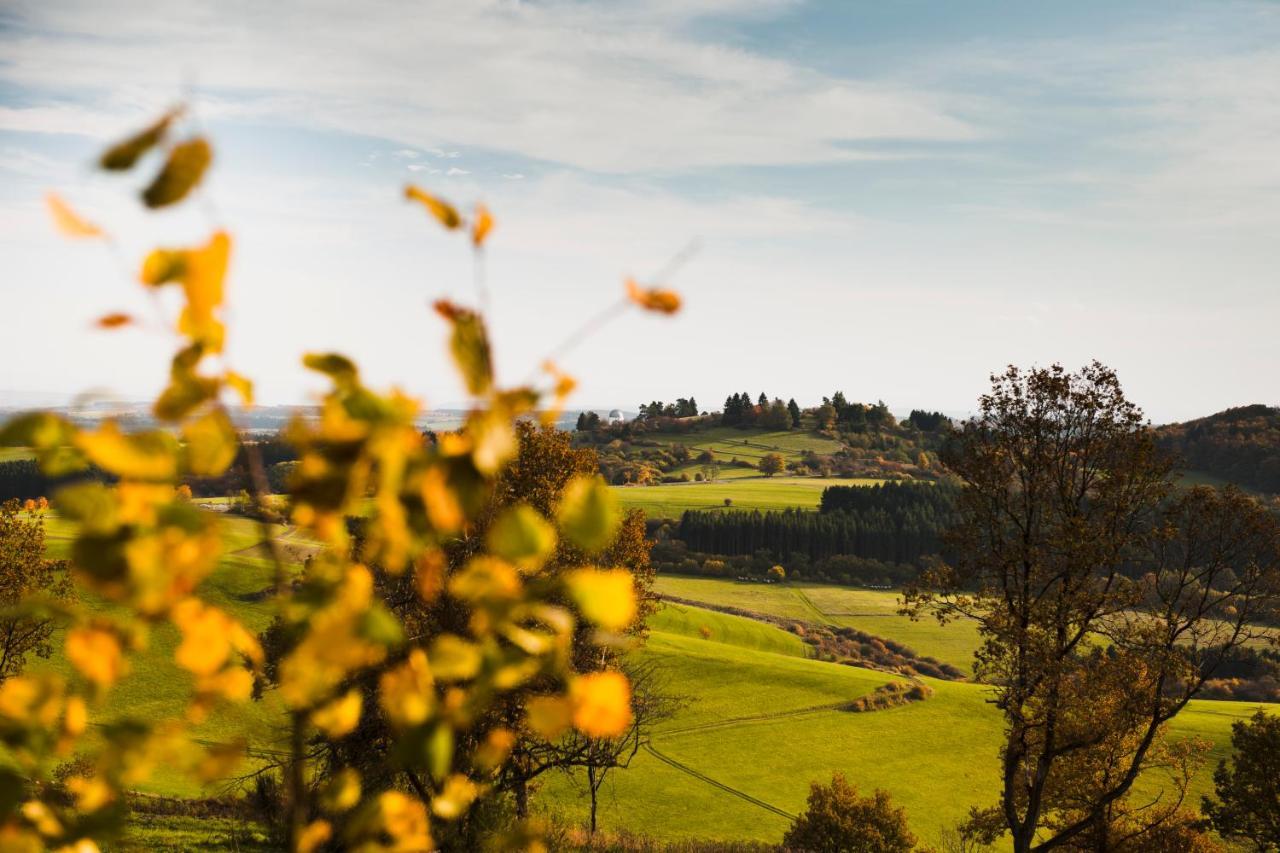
(1241, 445)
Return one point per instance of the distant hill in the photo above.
(1240, 445)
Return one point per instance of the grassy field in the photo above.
(156, 686)
(870, 610)
(12, 454)
(728, 443)
(759, 726)
(761, 719)
(669, 500)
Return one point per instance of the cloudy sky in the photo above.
(893, 199)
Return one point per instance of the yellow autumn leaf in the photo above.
(444, 212)
(243, 386)
(340, 717)
(548, 716)
(601, 704)
(90, 792)
(497, 746)
(96, 655)
(588, 513)
(455, 798)
(162, 266)
(653, 299)
(406, 692)
(316, 833)
(607, 598)
(485, 578)
(454, 659)
(211, 444)
(481, 225)
(206, 269)
(342, 791)
(137, 456)
(206, 636)
(67, 221)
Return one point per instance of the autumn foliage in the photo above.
(145, 547)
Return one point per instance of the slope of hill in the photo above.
(1240, 445)
(737, 761)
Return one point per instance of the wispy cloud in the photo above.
(612, 88)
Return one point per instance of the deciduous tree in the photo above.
(1104, 601)
(25, 573)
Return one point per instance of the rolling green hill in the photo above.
(760, 726)
(870, 610)
(669, 500)
(761, 718)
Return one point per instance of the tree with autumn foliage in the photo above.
(1104, 600)
(836, 817)
(772, 463)
(26, 576)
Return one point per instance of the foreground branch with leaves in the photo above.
(509, 634)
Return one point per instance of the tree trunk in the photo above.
(522, 798)
(591, 783)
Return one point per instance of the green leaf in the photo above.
(339, 367)
(181, 173)
(469, 345)
(588, 514)
(89, 503)
(522, 536)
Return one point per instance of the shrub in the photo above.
(838, 819)
(777, 573)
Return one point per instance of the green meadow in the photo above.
(669, 500)
(760, 719)
(870, 610)
(761, 722)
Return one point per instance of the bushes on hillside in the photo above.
(837, 819)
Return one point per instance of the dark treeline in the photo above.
(895, 498)
(1241, 445)
(22, 478)
(891, 523)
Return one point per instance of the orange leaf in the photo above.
(441, 210)
(653, 299)
(601, 704)
(481, 225)
(114, 321)
(67, 221)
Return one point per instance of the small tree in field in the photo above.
(24, 572)
(777, 573)
(838, 819)
(772, 463)
(1248, 791)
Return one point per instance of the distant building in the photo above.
(616, 416)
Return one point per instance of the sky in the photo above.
(890, 199)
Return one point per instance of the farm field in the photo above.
(870, 610)
(738, 759)
(13, 454)
(669, 500)
(728, 443)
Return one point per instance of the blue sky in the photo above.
(893, 199)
